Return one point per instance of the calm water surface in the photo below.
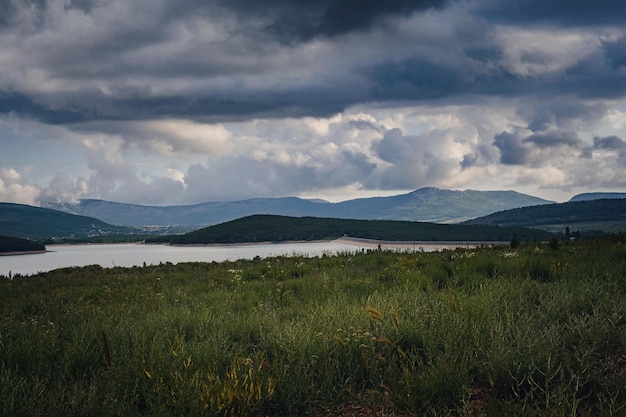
(136, 254)
(60, 256)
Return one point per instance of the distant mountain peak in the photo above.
(426, 189)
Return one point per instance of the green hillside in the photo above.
(270, 228)
(607, 215)
(14, 244)
(19, 220)
(596, 196)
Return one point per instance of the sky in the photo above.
(171, 102)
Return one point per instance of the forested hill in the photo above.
(597, 196)
(605, 214)
(19, 220)
(14, 244)
(272, 228)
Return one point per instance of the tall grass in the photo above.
(533, 331)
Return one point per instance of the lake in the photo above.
(135, 254)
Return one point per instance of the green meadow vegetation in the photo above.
(535, 330)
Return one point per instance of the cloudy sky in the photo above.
(187, 101)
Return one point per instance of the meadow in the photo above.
(536, 330)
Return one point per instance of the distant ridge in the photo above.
(272, 228)
(425, 204)
(596, 196)
(608, 215)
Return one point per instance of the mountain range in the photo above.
(94, 219)
(425, 204)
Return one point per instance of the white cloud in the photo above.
(176, 175)
(171, 137)
(616, 118)
(534, 51)
(364, 151)
(62, 189)
(13, 188)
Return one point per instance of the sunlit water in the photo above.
(130, 254)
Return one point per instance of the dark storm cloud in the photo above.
(137, 57)
(616, 54)
(415, 78)
(365, 125)
(289, 21)
(393, 146)
(609, 142)
(10, 8)
(536, 149)
(554, 138)
(512, 149)
(86, 6)
(360, 164)
(483, 156)
(8, 11)
(302, 20)
(593, 77)
(92, 105)
(563, 12)
(478, 73)
(129, 103)
(21, 105)
(561, 113)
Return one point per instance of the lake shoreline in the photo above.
(138, 254)
(355, 241)
(134, 254)
(415, 245)
(23, 252)
(286, 242)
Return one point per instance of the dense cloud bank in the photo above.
(164, 101)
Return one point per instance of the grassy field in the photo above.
(532, 331)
